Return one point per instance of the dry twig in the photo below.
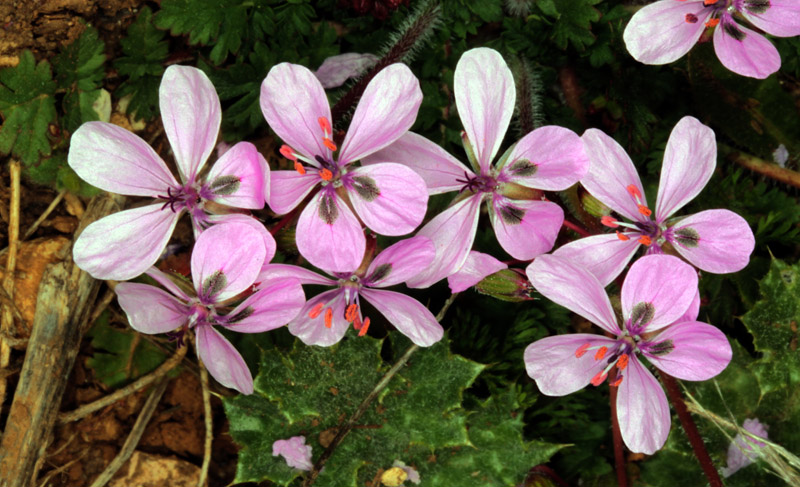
(7, 315)
(209, 425)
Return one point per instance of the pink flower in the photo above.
(665, 30)
(388, 198)
(123, 245)
(659, 311)
(549, 158)
(335, 70)
(744, 450)
(295, 451)
(226, 260)
(326, 317)
(717, 241)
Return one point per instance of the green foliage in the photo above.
(573, 21)
(27, 105)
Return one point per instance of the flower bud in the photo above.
(506, 285)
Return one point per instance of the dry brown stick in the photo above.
(44, 215)
(209, 420)
(101, 306)
(135, 435)
(7, 315)
(760, 166)
(126, 391)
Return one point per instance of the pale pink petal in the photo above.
(664, 31)
(400, 262)
(693, 311)
(642, 410)
(328, 234)
(387, 109)
(691, 350)
(525, 228)
(477, 266)
(164, 279)
(335, 70)
(226, 260)
(744, 51)
(718, 241)
(191, 114)
(452, 232)
(780, 18)
(269, 240)
(689, 162)
(553, 364)
(438, 168)
(222, 360)
(292, 101)
(485, 95)
(550, 158)
(665, 282)
(295, 451)
(288, 188)
(282, 271)
(275, 304)
(745, 450)
(123, 245)
(610, 174)
(238, 178)
(605, 256)
(312, 331)
(150, 309)
(390, 199)
(573, 288)
(116, 160)
(408, 315)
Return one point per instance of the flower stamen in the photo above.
(364, 327)
(601, 352)
(622, 236)
(326, 174)
(581, 351)
(328, 318)
(645, 240)
(609, 221)
(712, 23)
(316, 310)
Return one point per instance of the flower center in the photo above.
(352, 314)
(618, 357)
(323, 164)
(478, 184)
(185, 197)
(648, 230)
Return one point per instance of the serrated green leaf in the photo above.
(573, 23)
(79, 66)
(144, 52)
(28, 108)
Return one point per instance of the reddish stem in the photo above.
(576, 228)
(676, 396)
(283, 221)
(619, 453)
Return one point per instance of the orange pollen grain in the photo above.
(617, 382)
(357, 323)
(609, 221)
(326, 175)
(315, 311)
(712, 23)
(599, 378)
(328, 318)
(645, 240)
(645, 210)
(329, 143)
(299, 168)
(350, 313)
(622, 236)
(706, 3)
(288, 153)
(363, 330)
(581, 351)
(622, 362)
(324, 124)
(634, 191)
(601, 352)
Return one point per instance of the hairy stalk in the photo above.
(577, 228)
(619, 453)
(362, 408)
(760, 166)
(676, 397)
(529, 99)
(412, 34)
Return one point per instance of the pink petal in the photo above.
(245, 163)
(288, 188)
(553, 364)
(387, 109)
(222, 360)
(689, 162)
(780, 18)
(663, 31)
(390, 199)
(525, 228)
(312, 331)
(123, 245)
(164, 279)
(400, 262)
(610, 173)
(744, 51)
(116, 160)
(605, 256)
(475, 268)
(295, 451)
(558, 155)
(485, 95)
(335, 70)
(235, 250)
(408, 315)
(452, 232)
(272, 306)
(642, 410)
(150, 309)
(691, 350)
(573, 288)
(282, 271)
(269, 240)
(328, 234)
(191, 114)
(664, 281)
(292, 101)
(693, 311)
(724, 240)
(438, 168)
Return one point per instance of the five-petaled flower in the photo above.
(326, 317)
(717, 241)
(660, 304)
(123, 245)
(666, 30)
(226, 261)
(549, 158)
(389, 198)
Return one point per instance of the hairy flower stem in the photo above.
(362, 408)
(676, 397)
(619, 453)
(414, 32)
(577, 228)
(529, 103)
(760, 166)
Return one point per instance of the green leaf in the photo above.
(79, 66)
(573, 23)
(28, 108)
